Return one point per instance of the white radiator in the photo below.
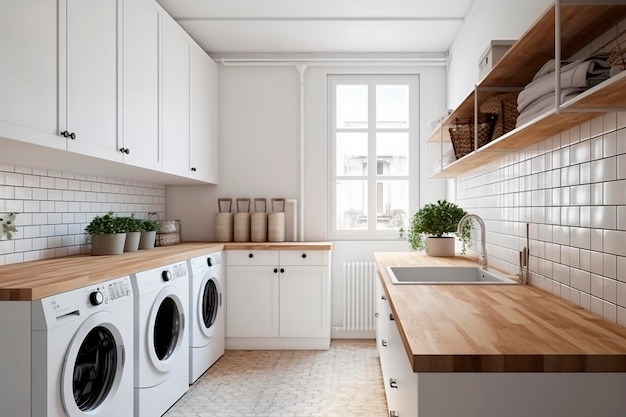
(358, 299)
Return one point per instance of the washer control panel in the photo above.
(178, 270)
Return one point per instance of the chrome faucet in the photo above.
(482, 260)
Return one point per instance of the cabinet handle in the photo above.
(391, 317)
(383, 342)
(393, 383)
(193, 169)
(282, 270)
(383, 297)
(394, 414)
(275, 270)
(304, 256)
(125, 150)
(376, 314)
(250, 255)
(67, 134)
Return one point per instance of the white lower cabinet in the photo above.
(277, 299)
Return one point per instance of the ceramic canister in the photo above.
(276, 227)
(224, 227)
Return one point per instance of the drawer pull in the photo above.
(391, 317)
(275, 270)
(383, 342)
(376, 314)
(282, 270)
(250, 255)
(393, 383)
(304, 256)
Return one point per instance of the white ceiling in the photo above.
(319, 26)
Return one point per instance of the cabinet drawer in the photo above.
(252, 257)
(303, 257)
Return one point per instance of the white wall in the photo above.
(487, 20)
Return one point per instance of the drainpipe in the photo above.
(301, 68)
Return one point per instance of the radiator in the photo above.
(358, 299)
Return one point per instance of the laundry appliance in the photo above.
(82, 352)
(206, 313)
(161, 353)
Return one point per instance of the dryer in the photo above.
(161, 356)
(82, 352)
(206, 313)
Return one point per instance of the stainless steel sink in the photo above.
(445, 275)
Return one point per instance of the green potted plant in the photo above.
(148, 235)
(133, 228)
(431, 228)
(107, 234)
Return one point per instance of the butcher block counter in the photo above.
(496, 328)
(33, 280)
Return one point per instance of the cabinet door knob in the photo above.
(383, 342)
(282, 270)
(125, 150)
(382, 297)
(67, 134)
(275, 270)
(376, 314)
(393, 383)
(391, 317)
(193, 169)
(304, 256)
(250, 255)
(394, 414)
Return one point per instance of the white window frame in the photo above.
(371, 233)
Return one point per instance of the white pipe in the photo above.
(301, 68)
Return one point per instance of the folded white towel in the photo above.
(544, 104)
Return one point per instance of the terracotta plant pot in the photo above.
(108, 244)
(147, 239)
(440, 246)
(132, 241)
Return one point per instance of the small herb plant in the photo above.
(131, 224)
(8, 226)
(106, 224)
(151, 225)
(437, 220)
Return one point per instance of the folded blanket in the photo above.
(578, 74)
(545, 103)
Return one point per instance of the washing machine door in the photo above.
(209, 303)
(165, 330)
(93, 367)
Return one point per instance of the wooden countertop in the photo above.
(33, 280)
(496, 328)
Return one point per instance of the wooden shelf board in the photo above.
(608, 94)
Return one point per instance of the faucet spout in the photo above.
(482, 260)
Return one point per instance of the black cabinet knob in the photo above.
(125, 150)
(304, 256)
(275, 270)
(67, 134)
(250, 255)
(282, 270)
(193, 169)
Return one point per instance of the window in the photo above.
(374, 145)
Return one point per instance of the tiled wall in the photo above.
(571, 190)
(54, 208)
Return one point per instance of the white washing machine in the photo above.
(206, 313)
(161, 339)
(82, 352)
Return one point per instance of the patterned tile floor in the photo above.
(344, 381)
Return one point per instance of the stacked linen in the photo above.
(539, 96)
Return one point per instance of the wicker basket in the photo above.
(167, 239)
(504, 105)
(462, 132)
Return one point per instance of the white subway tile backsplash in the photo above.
(580, 195)
(621, 293)
(597, 147)
(580, 152)
(596, 285)
(614, 242)
(604, 170)
(604, 217)
(614, 193)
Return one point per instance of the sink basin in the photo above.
(445, 275)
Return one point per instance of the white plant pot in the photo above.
(132, 241)
(440, 246)
(108, 244)
(147, 239)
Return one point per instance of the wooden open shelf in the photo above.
(580, 24)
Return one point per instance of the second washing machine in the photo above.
(161, 339)
(206, 321)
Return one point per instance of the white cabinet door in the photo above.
(29, 72)
(251, 301)
(140, 88)
(175, 114)
(91, 99)
(304, 301)
(203, 116)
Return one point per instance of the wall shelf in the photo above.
(580, 24)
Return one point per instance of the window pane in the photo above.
(351, 205)
(392, 106)
(392, 153)
(351, 153)
(392, 204)
(351, 106)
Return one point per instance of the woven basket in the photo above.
(462, 132)
(504, 105)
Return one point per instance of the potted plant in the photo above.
(432, 225)
(106, 234)
(133, 228)
(148, 235)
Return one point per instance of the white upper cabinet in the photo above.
(203, 116)
(29, 72)
(141, 144)
(89, 90)
(175, 98)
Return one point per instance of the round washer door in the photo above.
(209, 303)
(165, 330)
(93, 367)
